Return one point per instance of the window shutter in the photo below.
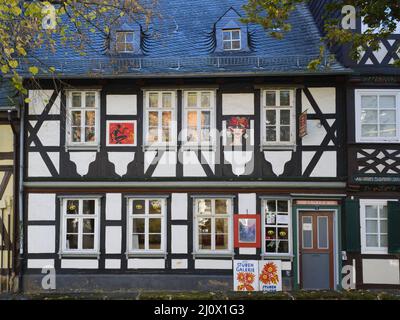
(394, 227)
(352, 226)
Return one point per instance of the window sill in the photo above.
(378, 141)
(159, 147)
(79, 255)
(374, 252)
(290, 147)
(266, 256)
(196, 147)
(82, 147)
(146, 254)
(213, 255)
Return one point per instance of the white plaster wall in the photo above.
(278, 160)
(49, 133)
(39, 100)
(113, 264)
(213, 264)
(179, 238)
(41, 206)
(40, 263)
(324, 97)
(179, 208)
(82, 161)
(179, 264)
(79, 264)
(122, 104)
(247, 203)
(167, 165)
(121, 160)
(41, 239)
(381, 271)
(247, 251)
(113, 239)
(113, 206)
(146, 264)
(315, 133)
(238, 104)
(326, 166)
(38, 168)
(191, 165)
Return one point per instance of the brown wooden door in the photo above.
(316, 250)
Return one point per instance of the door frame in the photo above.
(337, 261)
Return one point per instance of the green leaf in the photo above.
(5, 69)
(13, 64)
(34, 70)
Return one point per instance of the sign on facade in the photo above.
(270, 275)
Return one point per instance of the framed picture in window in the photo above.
(247, 230)
(121, 133)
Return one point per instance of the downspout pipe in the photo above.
(20, 226)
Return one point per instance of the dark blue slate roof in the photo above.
(179, 42)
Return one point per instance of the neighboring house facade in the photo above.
(8, 187)
(138, 165)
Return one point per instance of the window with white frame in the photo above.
(160, 118)
(276, 226)
(199, 117)
(374, 226)
(146, 227)
(80, 225)
(83, 117)
(278, 117)
(377, 115)
(213, 225)
(231, 39)
(124, 41)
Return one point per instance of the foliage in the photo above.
(381, 16)
(26, 25)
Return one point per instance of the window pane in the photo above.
(227, 45)
(221, 242)
(204, 225)
(155, 241)
(129, 37)
(192, 134)
(383, 226)
(368, 130)
(205, 241)
(271, 205)
(138, 207)
(387, 117)
(205, 100)
(120, 46)
(221, 206)
(285, 98)
(90, 118)
(322, 232)
(387, 101)
(270, 233)
(307, 232)
(138, 225)
(76, 118)
(285, 117)
(369, 102)
(138, 241)
(383, 212)
(226, 35)
(369, 116)
(129, 47)
(270, 98)
(90, 100)
(155, 207)
(204, 206)
(88, 225)
(153, 119)
(384, 241)
(153, 100)
(372, 226)
(166, 135)
(221, 225)
(120, 36)
(72, 241)
(166, 119)
(285, 133)
(167, 100)
(153, 135)
(372, 241)
(235, 34)
(90, 134)
(205, 119)
(283, 206)
(271, 117)
(89, 206)
(76, 134)
(155, 225)
(192, 119)
(270, 246)
(236, 44)
(371, 211)
(76, 100)
(88, 242)
(72, 225)
(283, 247)
(72, 207)
(271, 134)
(192, 99)
(387, 130)
(283, 233)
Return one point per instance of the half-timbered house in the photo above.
(139, 162)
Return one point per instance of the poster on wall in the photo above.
(121, 133)
(245, 274)
(270, 275)
(247, 230)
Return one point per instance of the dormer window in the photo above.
(125, 41)
(231, 39)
